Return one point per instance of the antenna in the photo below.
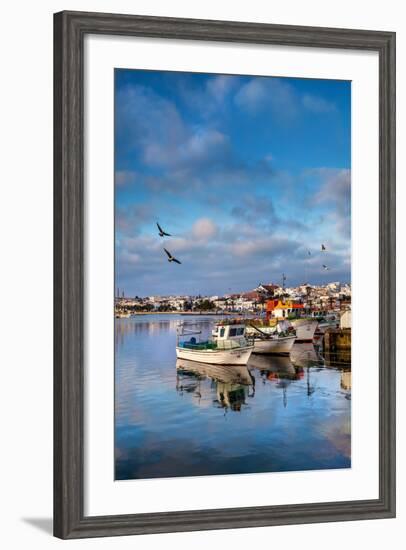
(283, 281)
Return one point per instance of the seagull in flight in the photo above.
(309, 253)
(171, 258)
(325, 267)
(162, 233)
(323, 247)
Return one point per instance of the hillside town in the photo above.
(333, 296)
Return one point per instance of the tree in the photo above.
(204, 305)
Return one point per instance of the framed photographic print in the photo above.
(224, 274)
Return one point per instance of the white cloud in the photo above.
(318, 104)
(278, 95)
(186, 149)
(335, 188)
(202, 144)
(129, 258)
(220, 86)
(259, 94)
(335, 195)
(204, 229)
(272, 245)
(181, 244)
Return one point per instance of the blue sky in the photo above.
(247, 173)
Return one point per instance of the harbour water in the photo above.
(175, 418)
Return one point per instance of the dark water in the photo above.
(189, 419)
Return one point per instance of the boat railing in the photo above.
(233, 344)
(182, 328)
(182, 331)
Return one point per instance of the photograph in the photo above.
(232, 296)
(200, 201)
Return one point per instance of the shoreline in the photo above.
(178, 313)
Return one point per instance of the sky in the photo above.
(249, 175)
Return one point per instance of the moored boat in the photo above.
(274, 344)
(122, 314)
(276, 340)
(305, 329)
(228, 345)
(324, 323)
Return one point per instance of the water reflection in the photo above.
(181, 418)
(278, 370)
(345, 379)
(340, 358)
(306, 355)
(231, 384)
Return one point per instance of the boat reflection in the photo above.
(306, 355)
(341, 361)
(345, 379)
(277, 370)
(232, 384)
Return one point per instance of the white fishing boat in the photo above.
(122, 315)
(305, 329)
(278, 340)
(281, 345)
(324, 323)
(228, 345)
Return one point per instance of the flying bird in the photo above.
(309, 252)
(325, 267)
(171, 258)
(323, 247)
(162, 233)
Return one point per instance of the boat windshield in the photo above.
(236, 331)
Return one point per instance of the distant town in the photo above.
(332, 296)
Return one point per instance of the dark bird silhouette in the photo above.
(325, 267)
(309, 252)
(171, 258)
(323, 247)
(162, 233)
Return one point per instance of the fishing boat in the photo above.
(325, 322)
(122, 315)
(278, 340)
(305, 329)
(275, 344)
(228, 344)
(297, 314)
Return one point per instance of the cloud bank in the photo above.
(235, 169)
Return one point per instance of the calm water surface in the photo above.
(188, 419)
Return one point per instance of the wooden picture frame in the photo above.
(70, 29)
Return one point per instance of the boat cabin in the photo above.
(229, 331)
